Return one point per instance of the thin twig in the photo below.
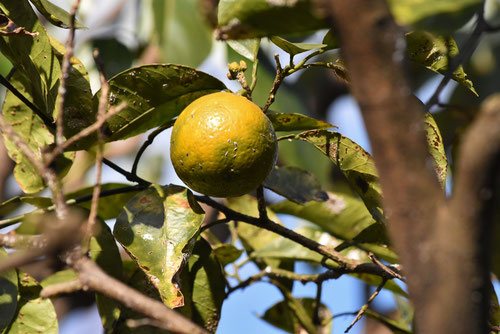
(345, 264)
(65, 69)
(214, 223)
(73, 201)
(261, 204)
(363, 309)
(48, 123)
(62, 288)
(147, 143)
(255, 68)
(48, 175)
(94, 127)
(317, 304)
(384, 267)
(278, 79)
(101, 113)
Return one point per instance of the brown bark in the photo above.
(441, 245)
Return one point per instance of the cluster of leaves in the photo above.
(171, 257)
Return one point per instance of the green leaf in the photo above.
(285, 249)
(296, 184)
(139, 281)
(8, 295)
(398, 327)
(34, 132)
(54, 14)
(203, 285)
(240, 19)
(343, 216)
(156, 228)
(295, 122)
(443, 15)
(10, 205)
(181, 31)
(78, 110)
(34, 314)
(109, 206)
(434, 52)
(294, 48)
(436, 148)
(226, 253)
(154, 95)
(33, 57)
(61, 276)
(104, 251)
(254, 238)
(331, 40)
(353, 161)
(285, 315)
(248, 48)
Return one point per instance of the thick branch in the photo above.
(91, 276)
(464, 252)
(373, 47)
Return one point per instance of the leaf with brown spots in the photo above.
(157, 228)
(353, 161)
(436, 148)
(295, 122)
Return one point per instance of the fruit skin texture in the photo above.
(223, 145)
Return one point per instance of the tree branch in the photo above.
(419, 224)
(346, 265)
(91, 276)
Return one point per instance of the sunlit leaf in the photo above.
(294, 48)
(8, 295)
(240, 19)
(434, 52)
(104, 251)
(54, 14)
(181, 31)
(295, 184)
(248, 48)
(254, 238)
(442, 15)
(285, 314)
(154, 95)
(62, 276)
(156, 228)
(285, 249)
(343, 216)
(295, 122)
(33, 57)
(34, 132)
(436, 148)
(396, 326)
(109, 206)
(34, 314)
(353, 161)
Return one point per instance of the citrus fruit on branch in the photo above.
(223, 145)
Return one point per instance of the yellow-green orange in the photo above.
(223, 145)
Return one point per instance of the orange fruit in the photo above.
(223, 145)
